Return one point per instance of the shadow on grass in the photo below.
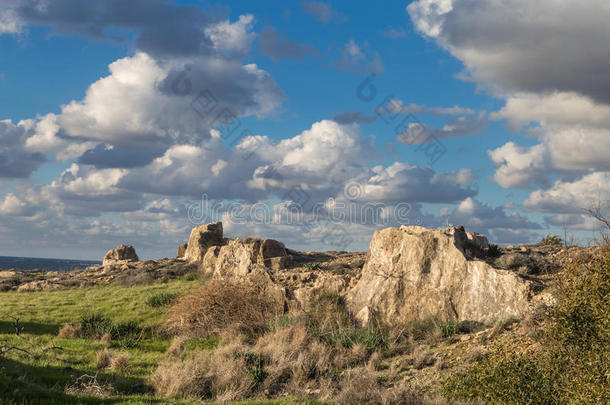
(22, 383)
(31, 328)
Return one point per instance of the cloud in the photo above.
(108, 156)
(353, 117)
(398, 108)
(10, 23)
(280, 47)
(15, 160)
(322, 12)
(142, 102)
(417, 133)
(232, 38)
(575, 222)
(403, 182)
(160, 28)
(570, 197)
(394, 33)
(547, 59)
(516, 41)
(359, 58)
(520, 166)
(474, 214)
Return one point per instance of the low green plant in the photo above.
(493, 250)
(161, 299)
(571, 364)
(95, 325)
(313, 266)
(126, 334)
(550, 240)
(255, 366)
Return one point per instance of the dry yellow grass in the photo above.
(103, 359)
(218, 306)
(70, 331)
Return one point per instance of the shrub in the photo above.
(254, 365)
(103, 359)
(71, 331)
(126, 334)
(95, 325)
(328, 319)
(119, 363)
(571, 364)
(161, 300)
(493, 250)
(550, 240)
(222, 305)
(313, 266)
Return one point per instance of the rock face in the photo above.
(412, 272)
(121, 254)
(181, 251)
(202, 238)
(239, 257)
(249, 260)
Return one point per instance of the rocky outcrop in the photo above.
(181, 251)
(239, 257)
(412, 272)
(202, 238)
(249, 260)
(121, 254)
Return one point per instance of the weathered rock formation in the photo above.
(413, 272)
(181, 251)
(249, 260)
(121, 254)
(202, 238)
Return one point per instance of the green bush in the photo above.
(126, 334)
(329, 320)
(493, 250)
(95, 325)
(550, 240)
(161, 300)
(255, 366)
(572, 363)
(313, 266)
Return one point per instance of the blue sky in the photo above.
(97, 156)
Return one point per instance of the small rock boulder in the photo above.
(202, 238)
(181, 251)
(121, 254)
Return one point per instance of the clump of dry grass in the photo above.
(374, 362)
(106, 339)
(221, 375)
(220, 305)
(358, 387)
(103, 358)
(119, 363)
(421, 358)
(181, 380)
(175, 348)
(71, 331)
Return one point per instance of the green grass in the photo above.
(42, 376)
(45, 374)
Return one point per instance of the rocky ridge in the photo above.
(408, 272)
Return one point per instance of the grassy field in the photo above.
(53, 363)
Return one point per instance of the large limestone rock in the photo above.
(412, 272)
(201, 239)
(240, 256)
(249, 260)
(121, 254)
